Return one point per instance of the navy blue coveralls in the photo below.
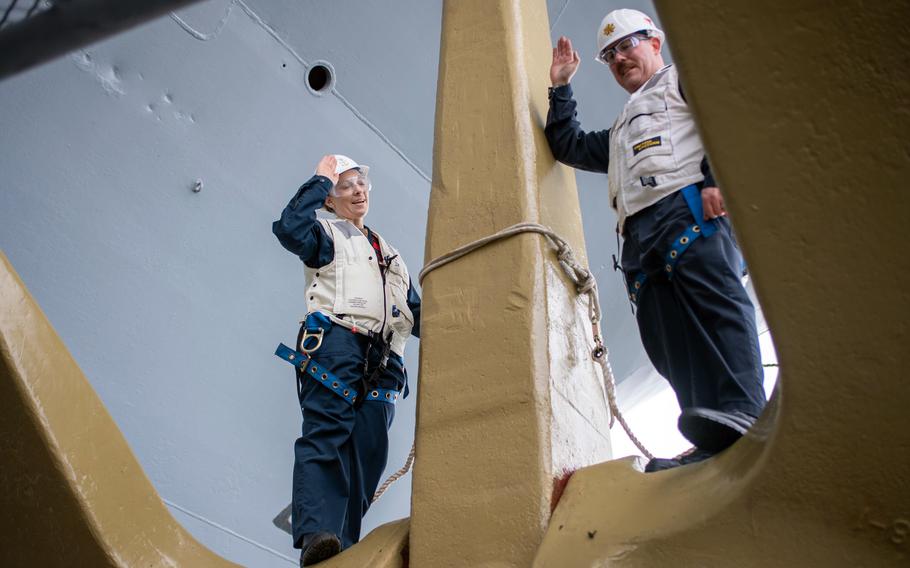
(343, 449)
(698, 328)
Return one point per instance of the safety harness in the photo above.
(309, 340)
(692, 195)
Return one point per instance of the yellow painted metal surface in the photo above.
(71, 491)
(509, 395)
(803, 108)
(385, 547)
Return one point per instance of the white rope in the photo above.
(584, 284)
(395, 476)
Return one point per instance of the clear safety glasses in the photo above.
(608, 55)
(348, 186)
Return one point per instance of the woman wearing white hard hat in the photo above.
(361, 309)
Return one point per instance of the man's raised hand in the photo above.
(565, 62)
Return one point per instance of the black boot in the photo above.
(714, 430)
(693, 456)
(319, 546)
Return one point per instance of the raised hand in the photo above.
(326, 167)
(565, 62)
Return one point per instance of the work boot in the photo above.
(692, 456)
(714, 430)
(318, 547)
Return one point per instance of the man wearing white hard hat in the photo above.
(679, 257)
(361, 309)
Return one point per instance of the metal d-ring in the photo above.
(308, 335)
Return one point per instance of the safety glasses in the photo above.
(348, 186)
(607, 56)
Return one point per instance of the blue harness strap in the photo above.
(322, 375)
(692, 195)
(318, 320)
(701, 228)
(636, 286)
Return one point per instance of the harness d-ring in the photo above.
(308, 334)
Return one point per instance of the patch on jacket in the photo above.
(645, 144)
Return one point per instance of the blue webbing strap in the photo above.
(329, 380)
(682, 242)
(636, 286)
(318, 320)
(692, 195)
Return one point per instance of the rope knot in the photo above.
(564, 253)
(586, 282)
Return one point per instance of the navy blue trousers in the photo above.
(698, 328)
(343, 450)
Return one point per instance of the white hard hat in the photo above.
(620, 23)
(344, 164)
